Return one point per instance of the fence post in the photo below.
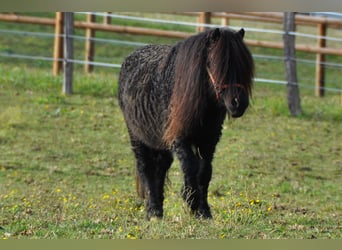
(58, 44)
(225, 21)
(107, 18)
(320, 59)
(203, 18)
(89, 45)
(68, 52)
(293, 99)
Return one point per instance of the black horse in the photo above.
(174, 100)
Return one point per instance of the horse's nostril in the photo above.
(235, 102)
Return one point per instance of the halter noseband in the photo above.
(220, 87)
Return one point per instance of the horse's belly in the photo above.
(146, 121)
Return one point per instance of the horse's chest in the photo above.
(211, 122)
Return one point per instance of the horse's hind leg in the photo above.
(152, 166)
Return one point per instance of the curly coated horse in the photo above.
(174, 100)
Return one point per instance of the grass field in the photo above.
(67, 171)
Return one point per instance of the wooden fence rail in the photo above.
(91, 26)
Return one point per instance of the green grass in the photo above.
(67, 170)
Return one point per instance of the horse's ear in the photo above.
(215, 35)
(241, 32)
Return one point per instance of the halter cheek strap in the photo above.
(220, 87)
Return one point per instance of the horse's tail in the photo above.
(140, 187)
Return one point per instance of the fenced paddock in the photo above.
(67, 170)
(319, 41)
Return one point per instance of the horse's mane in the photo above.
(189, 96)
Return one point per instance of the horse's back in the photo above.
(143, 95)
(140, 68)
(142, 60)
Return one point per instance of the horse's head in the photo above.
(230, 70)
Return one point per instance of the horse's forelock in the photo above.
(230, 61)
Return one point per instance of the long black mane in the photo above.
(230, 62)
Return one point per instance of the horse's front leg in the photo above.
(194, 181)
(204, 177)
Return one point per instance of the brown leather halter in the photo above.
(220, 87)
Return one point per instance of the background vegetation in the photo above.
(67, 171)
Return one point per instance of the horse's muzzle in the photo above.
(237, 107)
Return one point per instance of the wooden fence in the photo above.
(91, 26)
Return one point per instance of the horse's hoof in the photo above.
(154, 215)
(155, 219)
(203, 214)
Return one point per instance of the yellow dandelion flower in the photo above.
(58, 190)
(131, 236)
(105, 197)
